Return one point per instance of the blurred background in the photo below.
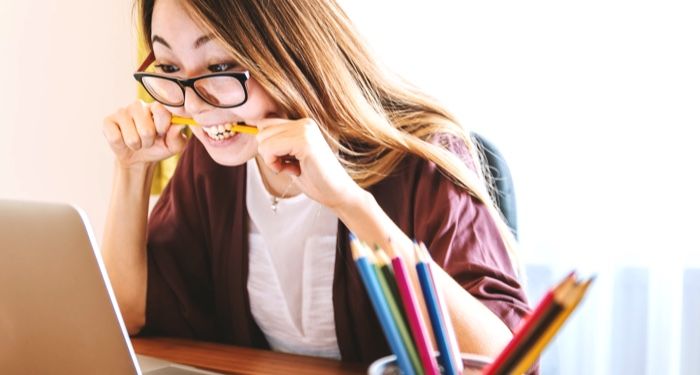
(595, 106)
(66, 65)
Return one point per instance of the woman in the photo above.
(248, 243)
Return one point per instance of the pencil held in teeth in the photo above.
(240, 127)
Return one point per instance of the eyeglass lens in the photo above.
(221, 91)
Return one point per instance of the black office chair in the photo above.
(502, 181)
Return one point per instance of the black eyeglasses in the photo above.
(223, 90)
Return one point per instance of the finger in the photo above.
(289, 166)
(113, 135)
(271, 161)
(265, 123)
(161, 118)
(128, 129)
(143, 122)
(287, 144)
(279, 153)
(271, 155)
(175, 140)
(276, 131)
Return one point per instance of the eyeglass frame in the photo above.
(242, 78)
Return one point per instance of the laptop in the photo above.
(58, 314)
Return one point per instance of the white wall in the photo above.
(65, 65)
(595, 105)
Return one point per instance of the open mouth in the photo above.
(219, 132)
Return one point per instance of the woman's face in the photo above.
(183, 50)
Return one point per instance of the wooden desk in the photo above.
(239, 360)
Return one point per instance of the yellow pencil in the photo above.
(571, 302)
(240, 127)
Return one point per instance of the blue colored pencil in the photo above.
(369, 279)
(447, 358)
(449, 328)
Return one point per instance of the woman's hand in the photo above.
(318, 172)
(142, 133)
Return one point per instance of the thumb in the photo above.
(175, 139)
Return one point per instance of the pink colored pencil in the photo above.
(415, 318)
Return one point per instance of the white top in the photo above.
(291, 268)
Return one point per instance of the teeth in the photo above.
(219, 132)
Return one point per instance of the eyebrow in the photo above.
(157, 39)
(202, 40)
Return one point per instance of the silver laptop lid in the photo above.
(58, 314)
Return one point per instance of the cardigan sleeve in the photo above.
(463, 239)
(178, 297)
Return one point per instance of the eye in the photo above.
(217, 68)
(165, 68)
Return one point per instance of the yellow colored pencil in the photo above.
(572, 301)
(240, 127)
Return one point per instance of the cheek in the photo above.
(259, 104)
(177, 111)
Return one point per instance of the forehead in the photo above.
(173, 28)
(171, 18)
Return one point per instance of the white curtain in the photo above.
(635, 320)
(596, 106)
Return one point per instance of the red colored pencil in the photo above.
(527, 329)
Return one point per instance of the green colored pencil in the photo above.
(393, 302)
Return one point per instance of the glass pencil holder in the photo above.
(473, 364)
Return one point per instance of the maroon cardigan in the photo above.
(198, 254)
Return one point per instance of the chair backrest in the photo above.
(502, 181)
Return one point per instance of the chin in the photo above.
(230, 160)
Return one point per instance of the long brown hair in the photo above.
(310, 59)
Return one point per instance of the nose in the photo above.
(193, 103)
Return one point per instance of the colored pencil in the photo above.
(452, 364)
(570, 302)
(384, 264)
(415, 319)
(452, 337)
(240, 127)
(369, 278)
(386, 280)
(535, 324)
(540, 327)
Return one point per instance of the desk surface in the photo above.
(239, 360)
